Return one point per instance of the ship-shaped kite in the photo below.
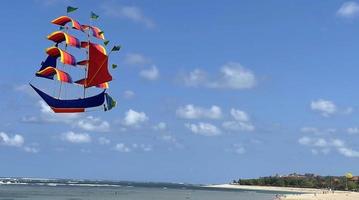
(59, 61)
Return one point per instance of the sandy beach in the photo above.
(329, 196)
(306, 193)
(265, 188)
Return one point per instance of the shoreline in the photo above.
(301, 193)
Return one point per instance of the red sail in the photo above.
(97, 68)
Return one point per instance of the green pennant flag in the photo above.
(114, 66)
(94, 16)
(106, 42)
(70, 9)
(116, 48)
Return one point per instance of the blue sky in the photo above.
(207, 92)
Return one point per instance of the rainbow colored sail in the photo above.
(95, 64)
(59, 36)
(96, 32)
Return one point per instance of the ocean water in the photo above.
(143, 192)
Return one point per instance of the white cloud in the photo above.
(160, 126)
(195, 78)
(150, 74)
(205, 129)
(134, 118)
(136, 59)
(104, 141)
(348, 9)
(239, 115)
(353, 130)
(309, 130)
(236, 149)
(128, 94)
(31, 149)
(132, 13)
(232, 76)
(91, 123)
(121, 147)
(88, 123)
(15, 141)
(169, 138)
(50, 116)
(73, 137)
(124, 148)
(325, 107)
(238, 126)
(241, 121)
(305, 140)
(193, 112)
(348, 152)
(338, 143)
(322, 145)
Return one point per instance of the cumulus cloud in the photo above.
(15, 141)
(134, 118)
(194, 112)
(239, 149)
(232, 76)
(91, 123)
(348, 9)
(347, 152)
(161, 126)
(195, 78)
(131, 13)
(323, 145)
(73, 137)
(205, 129)
(88, 123)
(353, 130)
(151, 73)
(121, 147)
(239, 115)
(241, 121)
(236, 149)
(48, 116)
(325, 107)
(124, 148)
(136, 59)
(31, 149)
(238, 126)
